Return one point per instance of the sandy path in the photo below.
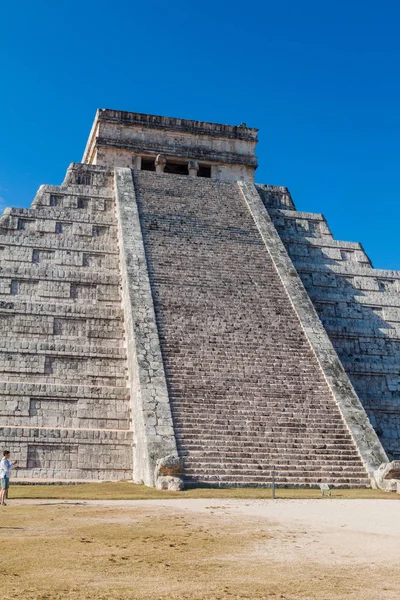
(326, 531)
(201, 549)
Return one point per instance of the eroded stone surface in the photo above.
(172, 484)
(169, 465)
(64, 406)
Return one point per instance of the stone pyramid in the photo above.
(166, 320)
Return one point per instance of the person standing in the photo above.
(5, 470)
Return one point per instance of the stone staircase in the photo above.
(64, 406)
(247, 394)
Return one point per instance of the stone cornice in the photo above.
(240, 132)
(181, 151)
(182, 126)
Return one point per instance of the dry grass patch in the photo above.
(131, 491)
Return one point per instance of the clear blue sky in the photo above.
(319, 79)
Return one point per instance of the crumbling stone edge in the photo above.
(356, 419)
(155, 455)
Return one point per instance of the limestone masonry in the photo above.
(165, 319)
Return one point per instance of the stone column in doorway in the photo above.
(193, 168)
(137, 162)
(160, 163)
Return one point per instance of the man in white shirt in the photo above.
(5, 471)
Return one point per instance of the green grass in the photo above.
(131, 491)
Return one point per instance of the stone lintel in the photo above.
(352, 411)
(146, 147)
(151, 414)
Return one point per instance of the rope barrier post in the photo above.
(273, 483)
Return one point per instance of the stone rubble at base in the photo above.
(155, 327)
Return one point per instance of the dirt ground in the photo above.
(181, 549)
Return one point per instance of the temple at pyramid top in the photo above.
(180, 146)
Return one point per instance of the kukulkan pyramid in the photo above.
(166, 320)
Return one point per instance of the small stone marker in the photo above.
(324, 487)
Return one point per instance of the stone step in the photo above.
(58, 242)
(106, 240)
(226, 405)
(20, 479)
(248, 380)
(101, 379)
(261, 412)
(311, 429)
(377, 297)
(231, 405)
(296, 480)
(267, 436)
(73, 215)
(90, 300)
(263, 423)
(228, 471)
(261, 409)
(262, 418)
(367, 365)
(268, 454)
(34, 306)
(253, 468)
(10, 266)
(61, 348)
(59, 273)
(264, 444)
(262, 436)
(62, 389)
(272, 460)
(112, 341)
(251, 471)
(265, 418)
(63, 472)
(40, 435)
(52, 428)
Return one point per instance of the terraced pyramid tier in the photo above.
(358, 305)
(64, 400)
